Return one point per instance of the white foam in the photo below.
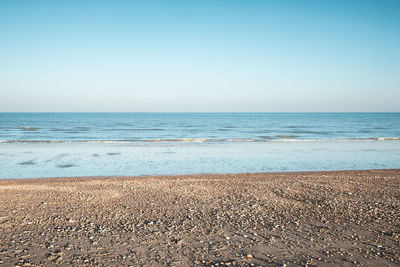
(242, 140)
(202, 140)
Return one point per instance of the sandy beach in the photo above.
(344, 218)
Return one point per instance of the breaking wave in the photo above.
(204, 140)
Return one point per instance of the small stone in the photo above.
(249, 256)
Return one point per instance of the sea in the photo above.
(34, 145)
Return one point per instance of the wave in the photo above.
(384, 138)
(82, 128)
(133, 129)
(178, 140)
(287, 136)
(242, 140)
(298, 131)
(203, 140)
(30, 128)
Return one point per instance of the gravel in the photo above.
(346, 218)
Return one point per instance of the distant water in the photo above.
(75, 144)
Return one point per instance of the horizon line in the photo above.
(260, 112)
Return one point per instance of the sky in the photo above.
(199, 56)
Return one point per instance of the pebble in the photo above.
(181, 220)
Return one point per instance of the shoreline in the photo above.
(39, 161)
(122, 177)
(317, 218)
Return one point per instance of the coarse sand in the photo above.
(344, 218)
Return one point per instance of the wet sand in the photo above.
(344, 218)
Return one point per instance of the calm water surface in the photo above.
(82, 144)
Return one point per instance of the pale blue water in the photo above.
(82, 144)
(212, 127)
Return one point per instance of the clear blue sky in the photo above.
(200, 55)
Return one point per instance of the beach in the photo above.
(199, 133)
(344, 218)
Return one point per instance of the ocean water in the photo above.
(103, 144)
